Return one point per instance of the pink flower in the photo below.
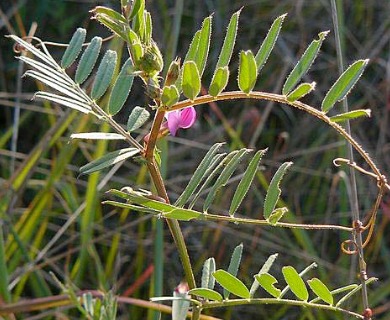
(184, 119)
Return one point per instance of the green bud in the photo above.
(153, 89)
(151, 62)
(173, 72)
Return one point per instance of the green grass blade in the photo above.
(304, 63)
(246, 182)
(88, 60)
(274, 191)
(4, 279)
(344, 84)
(74, 48)
(269, 42)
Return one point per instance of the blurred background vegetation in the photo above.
(53, 221)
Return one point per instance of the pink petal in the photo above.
(173, 119)
(187, 117)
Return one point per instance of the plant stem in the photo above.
(158, 182)
(353, 186)
(267, 301)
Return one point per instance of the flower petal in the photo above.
(187, 117)
(173, 119)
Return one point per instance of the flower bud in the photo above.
(151, 62)
(153, 89)
(173, 72)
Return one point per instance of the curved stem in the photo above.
(238, 302)
(215, 217)
(296, 104)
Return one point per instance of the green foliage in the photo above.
(231, 284)
(304, 64)
(108, 160)
(295, 283)
(274, 191)
(134, 26)
(302, 90)
(343, 84)
(321, 290)
(104, 74)
(246, 182)
(208, 281)
(137, 118)
(269, 42)
(88, 60)
(267, 282)
(121, 88)
(247, 73)
(190, 80)
(74, 48)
